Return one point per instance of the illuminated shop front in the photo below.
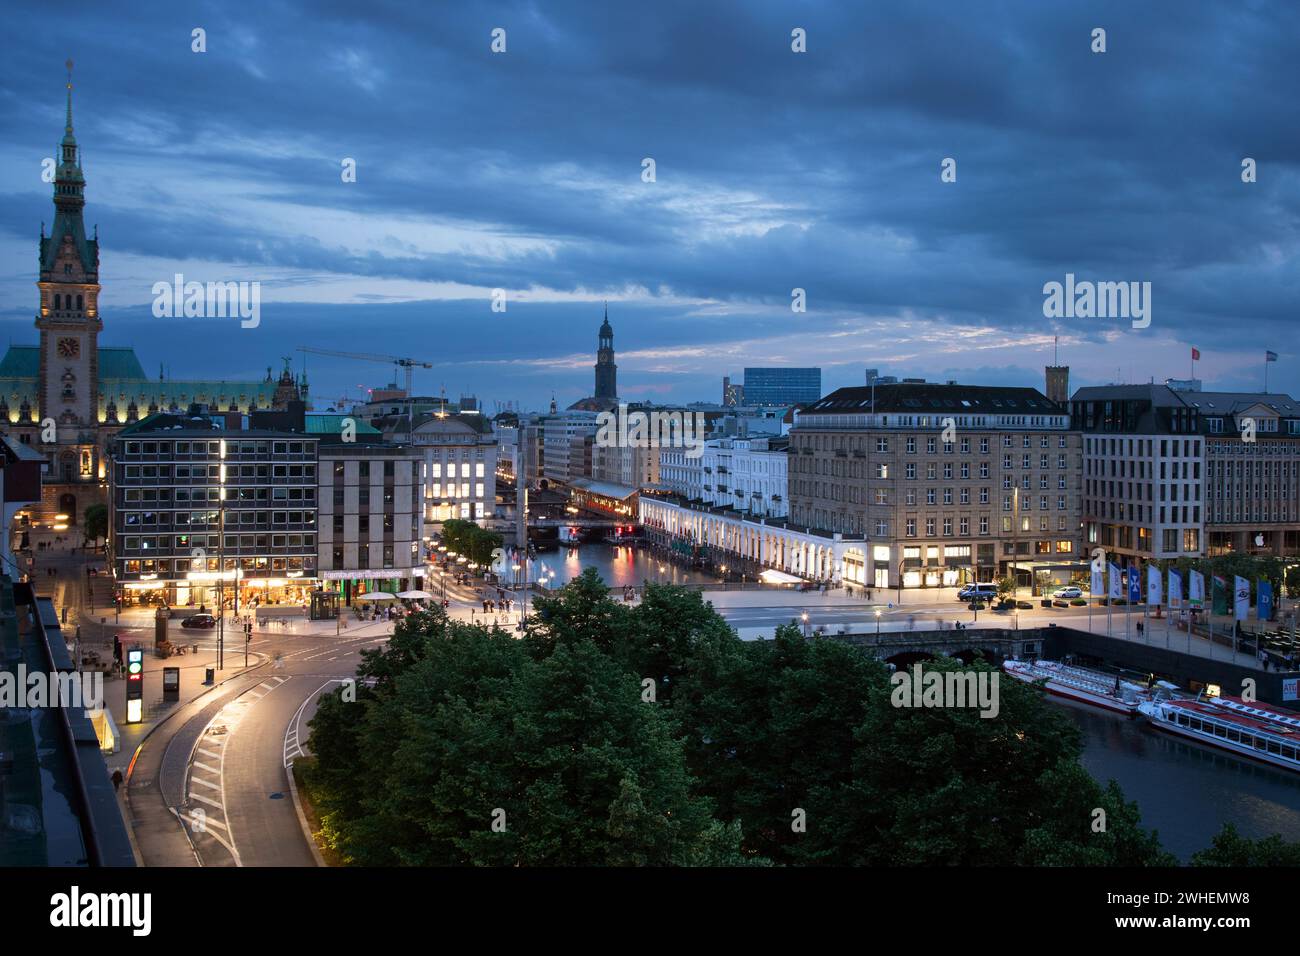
(291, 586)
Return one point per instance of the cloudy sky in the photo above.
(774, 170)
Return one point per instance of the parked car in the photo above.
(199, 620)
(1066, 593)
(977, 592)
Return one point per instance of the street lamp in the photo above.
(221, 561)
(877, 624)
(806, 632)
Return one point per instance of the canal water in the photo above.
(619, 565)
(1184, 791)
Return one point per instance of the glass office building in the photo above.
(782, 386)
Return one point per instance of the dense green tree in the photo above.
(789, 750)
(1229, 848)
(468, 539)
(561, 753)
(94, 523)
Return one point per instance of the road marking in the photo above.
(294, 728)
(212, 803)
(226, 719)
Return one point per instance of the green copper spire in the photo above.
(68, 138)
(69, 199)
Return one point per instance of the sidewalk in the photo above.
(786, 597)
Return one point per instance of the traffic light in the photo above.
(134, 686)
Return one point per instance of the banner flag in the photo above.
(1241, 604)
(1219, 594)
(1154, 581)
(1175, 588)
(1196, 596)
(1264, 600)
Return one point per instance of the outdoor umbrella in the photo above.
(415, 595)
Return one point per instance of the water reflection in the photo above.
(1184, 791)
(620, 566)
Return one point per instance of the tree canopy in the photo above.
(653, 735)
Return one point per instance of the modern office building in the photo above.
(1171, 471)
(948, 482)
(782, 386)
(205, 502)
(568, 440)
(371, 514)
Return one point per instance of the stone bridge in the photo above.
(994, 644)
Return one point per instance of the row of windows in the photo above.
(185, 496)
(391, 524)
(132, 519)
(1007, 526)
(1254, 447)
(389, 469)
(436, 470)
(213, 448)
(212, 542)
(1169, 447)
(1121, 511)
(851, 523)
(363, 557)
(1234, 734)
(234, 473)
(1220, 468)
(183, 566)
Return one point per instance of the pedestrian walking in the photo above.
(117, 780)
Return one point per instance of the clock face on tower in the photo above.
(69, 348)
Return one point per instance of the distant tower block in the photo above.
(1058, 383)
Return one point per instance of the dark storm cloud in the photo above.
(775, 171)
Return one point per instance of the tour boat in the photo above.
(1081, 684)
(1246, 728)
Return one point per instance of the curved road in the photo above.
(219, 770)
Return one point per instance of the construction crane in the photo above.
(410, 364)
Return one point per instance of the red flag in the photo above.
(1196, 354)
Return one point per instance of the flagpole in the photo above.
(1210, 615)
(1169, 607)
(1110, 601)
(1146, 609)
(1128, 593)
